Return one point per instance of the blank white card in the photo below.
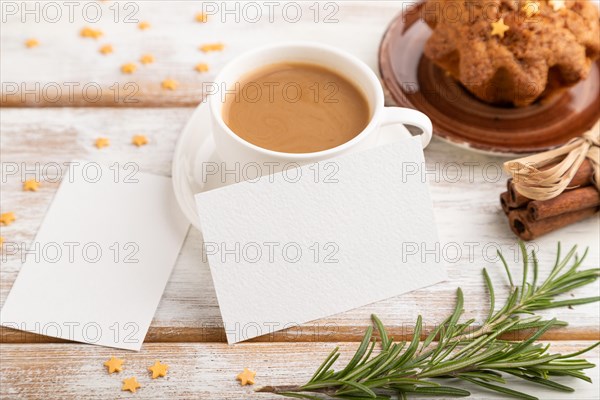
(98, 266)
(302, 245)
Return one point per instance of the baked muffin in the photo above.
(513, 51)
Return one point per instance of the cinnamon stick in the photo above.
(526, 229)
(569, 201)
(583, 177)
(504, 200)
(516, 199)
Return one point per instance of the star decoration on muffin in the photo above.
(531, 8)
(144, 25)
(557, 5)
(499, 28)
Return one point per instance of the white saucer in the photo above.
(196, 147)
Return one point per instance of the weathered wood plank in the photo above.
(467, 210)
(68, 70)
(196, 370)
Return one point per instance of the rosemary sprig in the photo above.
(461, 350)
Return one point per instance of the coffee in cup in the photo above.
(295, 107)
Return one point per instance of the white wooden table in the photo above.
(58, 97)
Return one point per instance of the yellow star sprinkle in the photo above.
(7, 218)
(31, 185)
(31, 43)
(102, 142)
(1, 242)
(170, 84)
(201, 17)
(139, 140)
(144, 25)
(90, 33)
(128, 68)
(106, 49)
(531, 8)
(147, 59)
(557, 4)
(212, 47)
(202, 67)
(158, 369)
(499, 28)
(114, 365)
(131, 384)
(246, 377)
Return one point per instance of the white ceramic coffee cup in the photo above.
(233, 149)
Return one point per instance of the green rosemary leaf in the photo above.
(574, 302)
(580, 352)
(575, 374)
(501, 389)
(577, 275)
(358, 373)
(517, 364)
(558, 267)
(385, 341)
(299, 395)
(490, 288)
(360, 387)
(395, 350)
(450, 366)
(506, 268)
(371, 348)
(360, 352)
(524, 291)
(477, 344)
(535, 269)
(486, 376)
(458, 310)
(533, 337)
(563, 367)
(412, 348)
(442, 391)
(548, 383)
(326, 364)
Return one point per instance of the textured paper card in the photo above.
(99, 264)
(305, 244)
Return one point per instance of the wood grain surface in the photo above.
(68, 70)
(59, 97)
(199, 371)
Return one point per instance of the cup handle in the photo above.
(398, 115)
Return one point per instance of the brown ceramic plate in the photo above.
(460, 118)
